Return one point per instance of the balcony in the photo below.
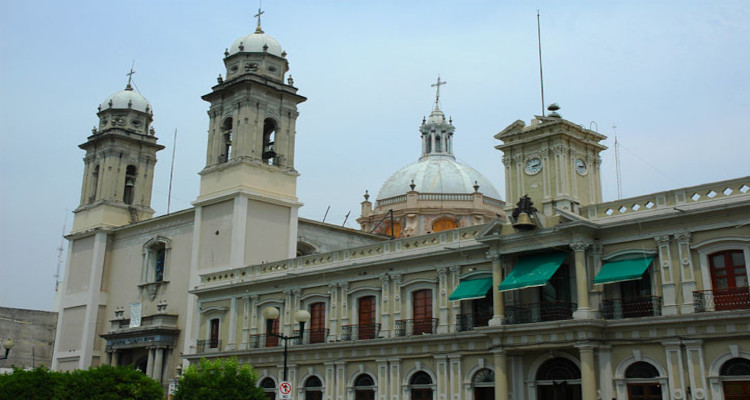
(360, 332)
(412, 327)
(642, 306)
(208, 345)
(467, 322)
(539, 312)
(312, 336)
(722, 299)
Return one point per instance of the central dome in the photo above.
(255, 43)
(436, 174)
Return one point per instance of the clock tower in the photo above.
(553, 161)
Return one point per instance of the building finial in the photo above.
(437, 91)
(130, 77)
(258, 28)
(412, 185)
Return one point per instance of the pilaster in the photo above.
(501, 374)
(385, 316)
(669, 291)
(498, 302)
(442, 300)
(675, 368)
(687, 274)
(588, 376)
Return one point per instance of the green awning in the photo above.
(532, 271)
(473, 289)
(623, 270)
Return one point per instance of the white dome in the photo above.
(254, 43)
(437, 174)
(127, 99)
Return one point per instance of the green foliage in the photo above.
(102, 383)
(220, 379)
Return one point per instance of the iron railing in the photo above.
(641, 306)
(722, 299)
(311, 336)
(466, 322)
(538, 312)
(360, 331)
(208, 345)
(411, 327)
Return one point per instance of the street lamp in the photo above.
(7, 345)
(272, 313)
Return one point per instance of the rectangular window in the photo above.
(317, 322)
(422, 311)
(214, 340)
(366, 318)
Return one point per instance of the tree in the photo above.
(102, 383)
(220, 379)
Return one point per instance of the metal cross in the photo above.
(130, 74)
(437, 92)
(258, 29)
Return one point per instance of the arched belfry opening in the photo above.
(270, 126)
(129, 191)
(226, 135)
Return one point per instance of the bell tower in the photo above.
(119, 164)
(553, 161)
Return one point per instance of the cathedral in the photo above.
(449, 291)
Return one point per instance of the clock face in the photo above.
(533, 166)
(580, 166)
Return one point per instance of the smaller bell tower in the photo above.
(119, 164)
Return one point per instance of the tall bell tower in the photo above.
(554, 161)
(119, 164)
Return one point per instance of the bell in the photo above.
(524, 222)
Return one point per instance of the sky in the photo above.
(670, 78)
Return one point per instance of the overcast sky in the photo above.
(674, 77)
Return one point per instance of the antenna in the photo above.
(346, 218)
(326, 214)
(617, 164)
(539, 41)
(60, 253)
(171, 172)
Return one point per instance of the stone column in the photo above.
(501, 374)
(498, 303)
(588, 376)
(232, 337)
(158, 364)
(582, 281)
(150, 363)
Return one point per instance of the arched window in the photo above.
(313, 388)
(269, 388)
(364, 388)
(444, 224)
(642, 383)
(421, 386)
(558, 378)
(128, 192)
(226, 134)
(394, 230)
(483, 383)
(735, 375)
(438, 144)
(94, 184)
(269, 138)
(427, 143)
(157, 257)
(729, 278)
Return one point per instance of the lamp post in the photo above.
(272, 313)
(7, 345)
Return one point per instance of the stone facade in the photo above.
(33, 334)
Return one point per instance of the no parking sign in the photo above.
(285, 390)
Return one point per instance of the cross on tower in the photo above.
(130, 74)
(258, 29)
(437, 91)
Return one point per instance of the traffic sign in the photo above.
(285, 390)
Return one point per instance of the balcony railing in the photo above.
(208, 345)
(538, 312)
(312, 336)
(642, 306)
(411, 327)
(722, 299)
(466, 322)
(360, 332)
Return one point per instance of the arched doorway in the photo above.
(641, 378)
(483, 383)
(420, 386)
(735, 377)
(313, 388)
(269, 388)
(558, 379)
(364, 388)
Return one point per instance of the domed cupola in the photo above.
(126, 110)
(435, 193)
(256, 53)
